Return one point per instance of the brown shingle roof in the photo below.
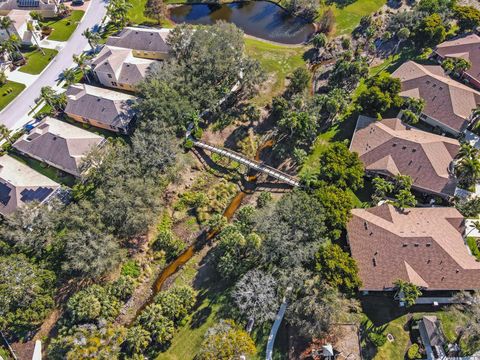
(391, 147)
(420, 245)
(19, 185)
(58, 143)
(466, 47)
(112, 108)
(121, 63)
(141, 39)
(446, 100)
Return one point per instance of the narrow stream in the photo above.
(202, 239)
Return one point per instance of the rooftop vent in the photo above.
(413, 150)
(365, 224)
(416, 244)
(405, 245)
(374, 262)
(428, 244)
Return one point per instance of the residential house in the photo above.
(47, 8)
(391, 147)
(145, 42)
(118, 68)
(103, 108)
(423, 246)
(448, 103)
(465, 47)
(19, 185)
(20, 20)
(432, 337)
(58, 144)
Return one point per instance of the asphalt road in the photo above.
(15, 114)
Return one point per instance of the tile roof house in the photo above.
(118, 68)
(58, 144)
(145, 42)
(465, 47)
(103, 108)
(47, 8)
(19, 185)
(20, 20)
(391, 147)
(448, 103)
(424, 246)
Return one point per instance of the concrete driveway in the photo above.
(15, 115)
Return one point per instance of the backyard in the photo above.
(278, 61)
(63, 28)
(9, 91)
(137, 16)
(36, 61)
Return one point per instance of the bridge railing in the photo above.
(277, 174)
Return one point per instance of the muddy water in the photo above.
(202, 239)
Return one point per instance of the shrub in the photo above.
(122, 288)
(169, 243)
(413, 352)
(263, 199)
(92, 303)
(377, 339)
(131, 268)
(188, 144)
(177, 303)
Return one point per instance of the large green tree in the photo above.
(337, 268)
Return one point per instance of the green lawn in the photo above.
(278, 61)
(36, 61)
(6, 96)
(44, 169)
(347, 18)
(137, 16)
(63, 28)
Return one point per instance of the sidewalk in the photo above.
(21, 77)
(50, 44)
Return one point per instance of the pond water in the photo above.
(261, 19)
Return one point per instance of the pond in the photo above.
(261, 19)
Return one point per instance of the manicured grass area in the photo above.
(137, 16)
(473, 245)
(36, 61)
(347, 18)
(44, 169)
(278, 62)
(63, 28)
(6, 96)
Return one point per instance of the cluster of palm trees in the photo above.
(467, 167)
(11, 45)
(81, 60)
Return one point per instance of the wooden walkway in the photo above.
(258, 166)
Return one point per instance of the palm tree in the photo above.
(81, 61)
(5, 24)
(468, 170)
(69, 76)
(31, 29)
(5, 133)
(92, 37)
(467, 150)
(117, 10)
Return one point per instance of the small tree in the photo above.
(407, 292)
(319, 40)
(299, 80)
(156, 9)
(226, 340)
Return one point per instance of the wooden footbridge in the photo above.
(258, 166)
